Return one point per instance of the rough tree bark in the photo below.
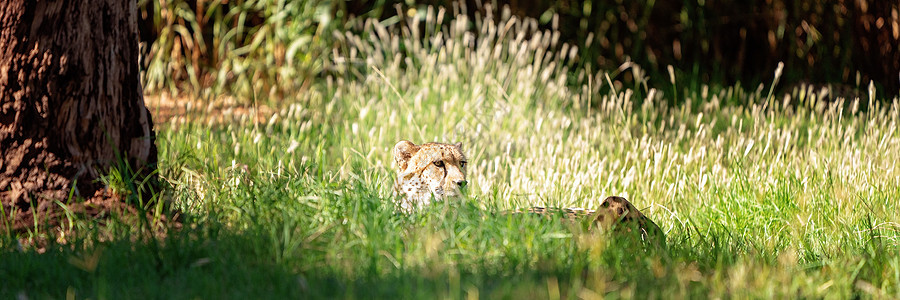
(70, 100)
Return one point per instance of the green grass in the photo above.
(760, 197)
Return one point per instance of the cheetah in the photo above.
(614, 213)
(432, 171)
(437, 171)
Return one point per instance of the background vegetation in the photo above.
(761, 194)
(844, 43)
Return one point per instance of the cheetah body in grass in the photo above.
(436, 171)
(614, 213)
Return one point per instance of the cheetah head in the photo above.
(428, 171)
(615, 210)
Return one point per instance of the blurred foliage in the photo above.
(249, 47)
(276, 47)
(821, 41)
(830, 41)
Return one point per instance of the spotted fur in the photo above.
(614, 213)
(432, 171)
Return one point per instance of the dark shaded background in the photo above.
(847, 42)
(724, 41)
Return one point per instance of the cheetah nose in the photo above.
(461, 183)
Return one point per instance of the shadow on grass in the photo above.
(213, 261)
(354, 245)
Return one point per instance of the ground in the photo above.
(780, 196)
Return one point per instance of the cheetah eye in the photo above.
(462, 164)
(439, 163)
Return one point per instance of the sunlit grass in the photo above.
(785, 196)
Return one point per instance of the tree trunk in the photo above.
(71, 103)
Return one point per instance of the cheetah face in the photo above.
(428, 171)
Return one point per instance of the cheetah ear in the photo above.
(403, 151)
(458, 145)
